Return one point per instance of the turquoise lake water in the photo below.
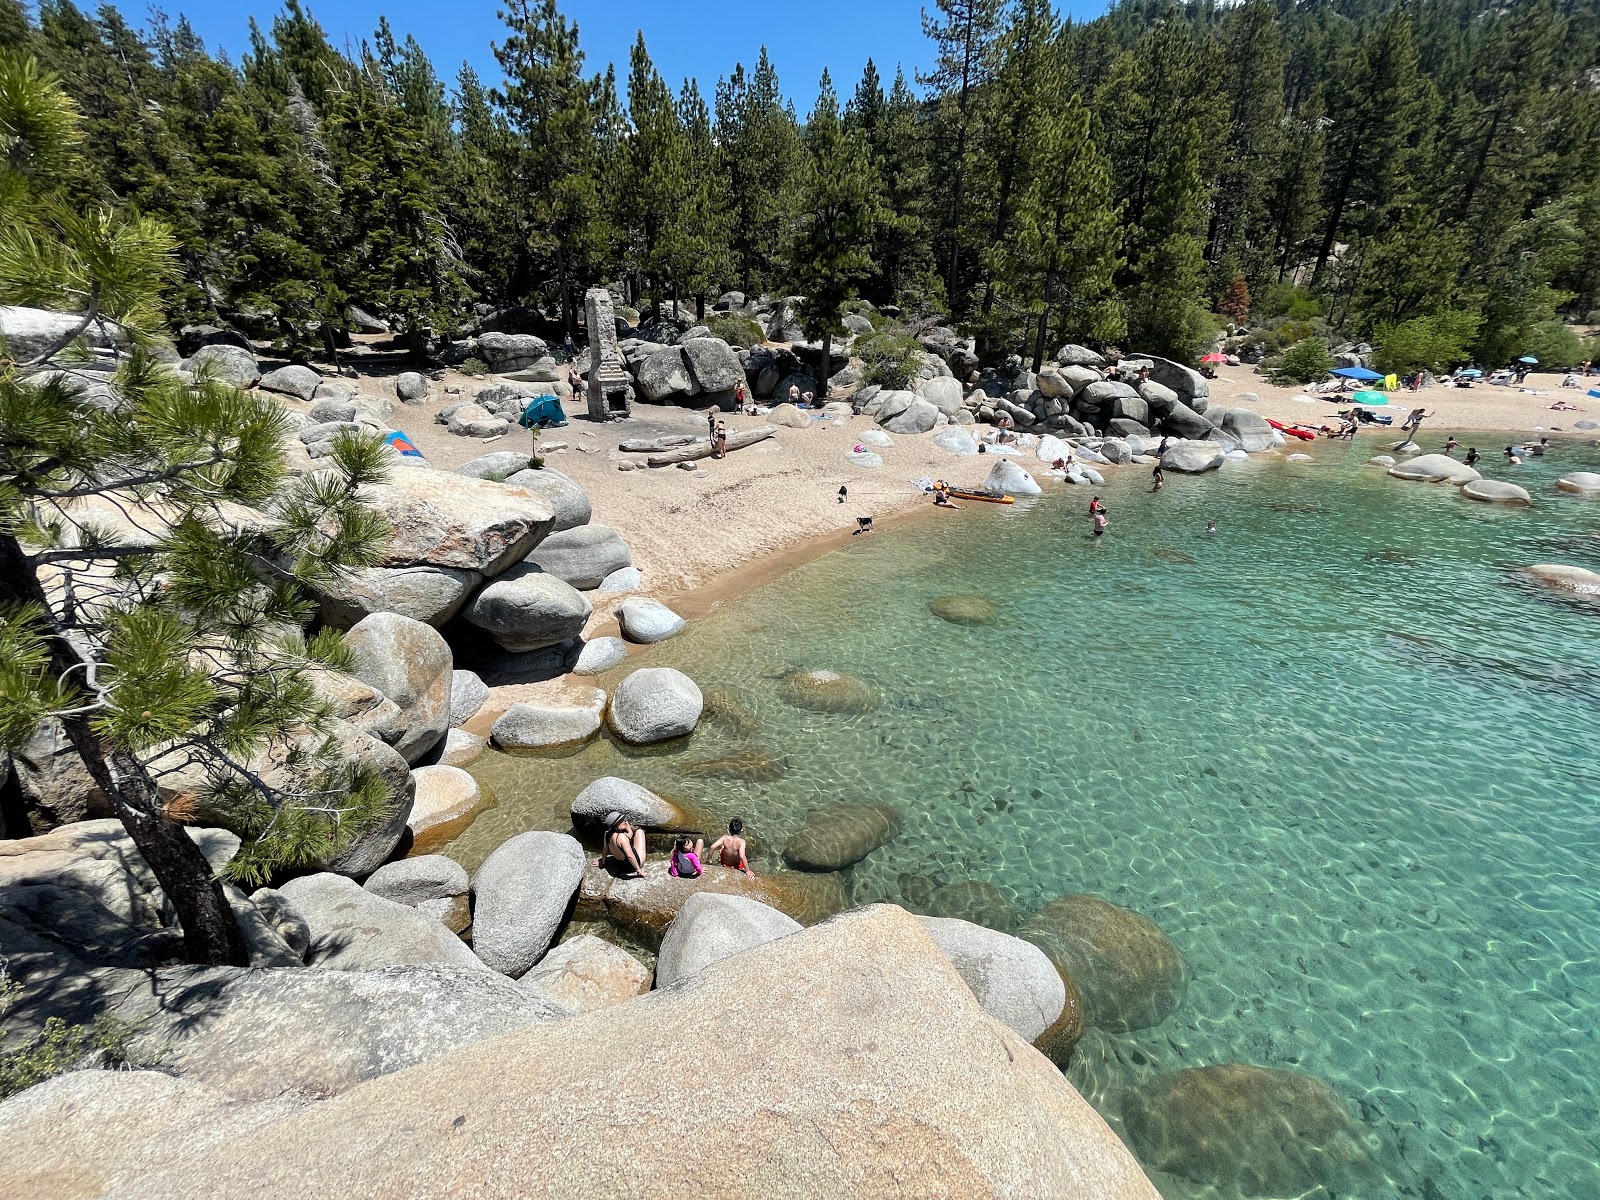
(1337, 751)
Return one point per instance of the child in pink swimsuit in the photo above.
(685, 862)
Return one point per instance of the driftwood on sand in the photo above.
(700, 448)
(652, 445)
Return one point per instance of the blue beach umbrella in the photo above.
(1471, 373)
(1528, 358)
(1360, 373)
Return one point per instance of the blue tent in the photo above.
(542, 412)
(1357, 373)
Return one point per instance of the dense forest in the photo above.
(1421, 170)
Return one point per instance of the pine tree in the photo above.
(1296, 183)
(549, 104)
(478, 200)
(902, 245)
(659, 175)
(867, 109)
(967, 36)
(759, 144)
(161, 660)
(838, 207)
(1238, 240)
(1064, 258)
(702, 254)
(1165, 259)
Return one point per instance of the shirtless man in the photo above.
(729, 849)
(624, 846)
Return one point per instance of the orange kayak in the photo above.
(1292, 430)
(991, 497)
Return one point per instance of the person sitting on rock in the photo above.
(685, 862)
(729, 849)
(624, 847)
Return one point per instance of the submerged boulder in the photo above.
(974, 900)
(1580, 483)
(827, 692)
(1496, 491)
(1254, 1131)
(1129, 972)
(1576, 581)
(963, 610)
(839, 835)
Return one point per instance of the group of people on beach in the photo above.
(717, 431)
(624, 850)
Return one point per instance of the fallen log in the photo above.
(703, 449)
(652, 445)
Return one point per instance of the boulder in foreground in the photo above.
(950, 1102)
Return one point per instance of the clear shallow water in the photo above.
(1336, 751)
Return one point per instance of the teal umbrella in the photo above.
(1371, 399)
(1528, 358)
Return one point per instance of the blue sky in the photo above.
(685, 37)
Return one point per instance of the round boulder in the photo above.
(467, 694)
(550, 726)
(570, 502)
(1251, 1131)
(294, 380)
(639, 805)
(827, 692)
(600, 654)
(583, 556)
(226, 364)
(461, 748)
(956, 441)
(1575, 581)
(1129, 972)
(963, 610)
(1434, 468)
(788, 415)
(655, 704)
(1192, 458)
(414, 880)
(586, 973)
(840, 835)
(1014, 980)
(529, 608)
(1012, 479)
(1580, 483)
(1381, 460)
(710, 927)
(973, 900)
(648, 621)
(411, 388)
(1496, 491)
(520, 897)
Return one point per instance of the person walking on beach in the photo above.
(721, 437)
(1159, 476)
(844, 493)
(1473, 456)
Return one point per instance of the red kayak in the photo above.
(1293, 430)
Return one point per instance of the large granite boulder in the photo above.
(226, 364)
(1193, 458)
(648, 621)
(712, 364)
(1129, 972)
(1185, 422)
(827, 691)
(446, 802)
(1159, 399)
(569, 720)
(409, 663)
(355, 930)
(1434, 468)
(368, 849)
(583, 556)
(944, 393)
(467, 694)
(529, 608)
(431, 595)
(474, 421)
(639, 805)
(1072, 355)
(1252, 1131)
(520, 898)
(55, 786)
(415, 881)
(711, 927)
(30, 332)
(1011, 478)
(917, 417)
(507, 352)
(497, 466)
(664, 375)
(1103, 393)
(294, 380)
(443, 519)
(962, 1106)
(410, 387)
(839, 835)
(569, 501)
(1250, 427)
(655, 704)
(1580, 483)
(307, 1033)
(585, 973)
(1575, 581)
(1014, 980)
(1188, 383)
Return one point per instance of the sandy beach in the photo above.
(699, 536)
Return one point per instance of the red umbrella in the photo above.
(1211, 358)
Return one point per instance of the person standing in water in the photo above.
(1100, 522)
(1473, 456)
(1159, 476)
(1211, 526)
(1451, 444)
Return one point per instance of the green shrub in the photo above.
(889, 359)
(475, 367)
(1285, 300)
(60, 1048)
(1433, 343)
(1556, 346)
(1306, 361)
(734, 329)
